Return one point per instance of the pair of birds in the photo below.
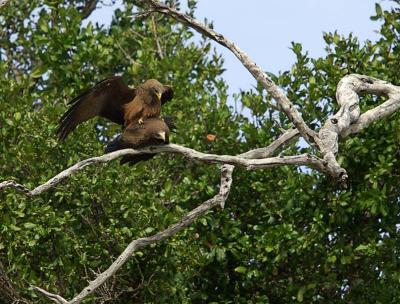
(136, 109)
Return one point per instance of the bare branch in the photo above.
(284, 103)
(348, 120)
(220, 198)
(90, 6)
(250, 164)
(282, 141)
(157, 41)
(378, 87)
(51, 296)
(226, 182)
(3, 3)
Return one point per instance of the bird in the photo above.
(111, 98)
(153, 131)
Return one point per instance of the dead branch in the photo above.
(348, 119)
(3, 3)
(326, 141)
(251, 164)
(220, 198)
(88, 8)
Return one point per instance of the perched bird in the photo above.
(113, 99)
(153, 131)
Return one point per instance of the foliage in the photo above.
(286, 235)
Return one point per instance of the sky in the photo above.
(264, 29)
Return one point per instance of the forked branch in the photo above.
(190, 217)
(251, 164)
(348, 120)
(343, 123)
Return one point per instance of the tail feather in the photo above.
(134, 159)
(114, 145)
(117, 144)
(170, 121)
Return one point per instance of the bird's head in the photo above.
(162, 136)
(154, 87)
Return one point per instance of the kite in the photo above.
(153, 131)
(111, 98)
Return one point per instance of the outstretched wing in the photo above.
(105, 99)
(167, 95)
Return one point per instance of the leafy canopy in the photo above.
(286, 234)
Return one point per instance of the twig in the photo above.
(129, 57)
(158, 45)
(51, 296)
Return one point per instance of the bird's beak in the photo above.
(159, 96)
(161, 135)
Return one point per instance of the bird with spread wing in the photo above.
(136, 109)
(111, 98)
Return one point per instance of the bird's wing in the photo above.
(105, 99)
(167, 95)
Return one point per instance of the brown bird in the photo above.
(113, 99)
(153, 131)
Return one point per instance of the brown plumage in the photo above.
(153, 131)
(113, 99)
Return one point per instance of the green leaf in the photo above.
(38, 71)
(241, 269)
(14, 228)
(300, 294)
(29, 225)
(17, 116)
(378, 10)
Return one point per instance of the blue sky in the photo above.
(264, 29)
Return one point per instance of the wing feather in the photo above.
(167, 95)
(105, 99)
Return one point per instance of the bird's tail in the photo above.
(115, 145)
(170, 121)
(134, 159)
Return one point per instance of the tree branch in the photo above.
(347, 95)
(220, 198)
(284, 103)
(348, 120)
(87, 10)
(8, 294)
(3, 3)
(226, 182)
(251, 164)
(157, 41)
(378, 87)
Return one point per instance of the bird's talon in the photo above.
(140, 121)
